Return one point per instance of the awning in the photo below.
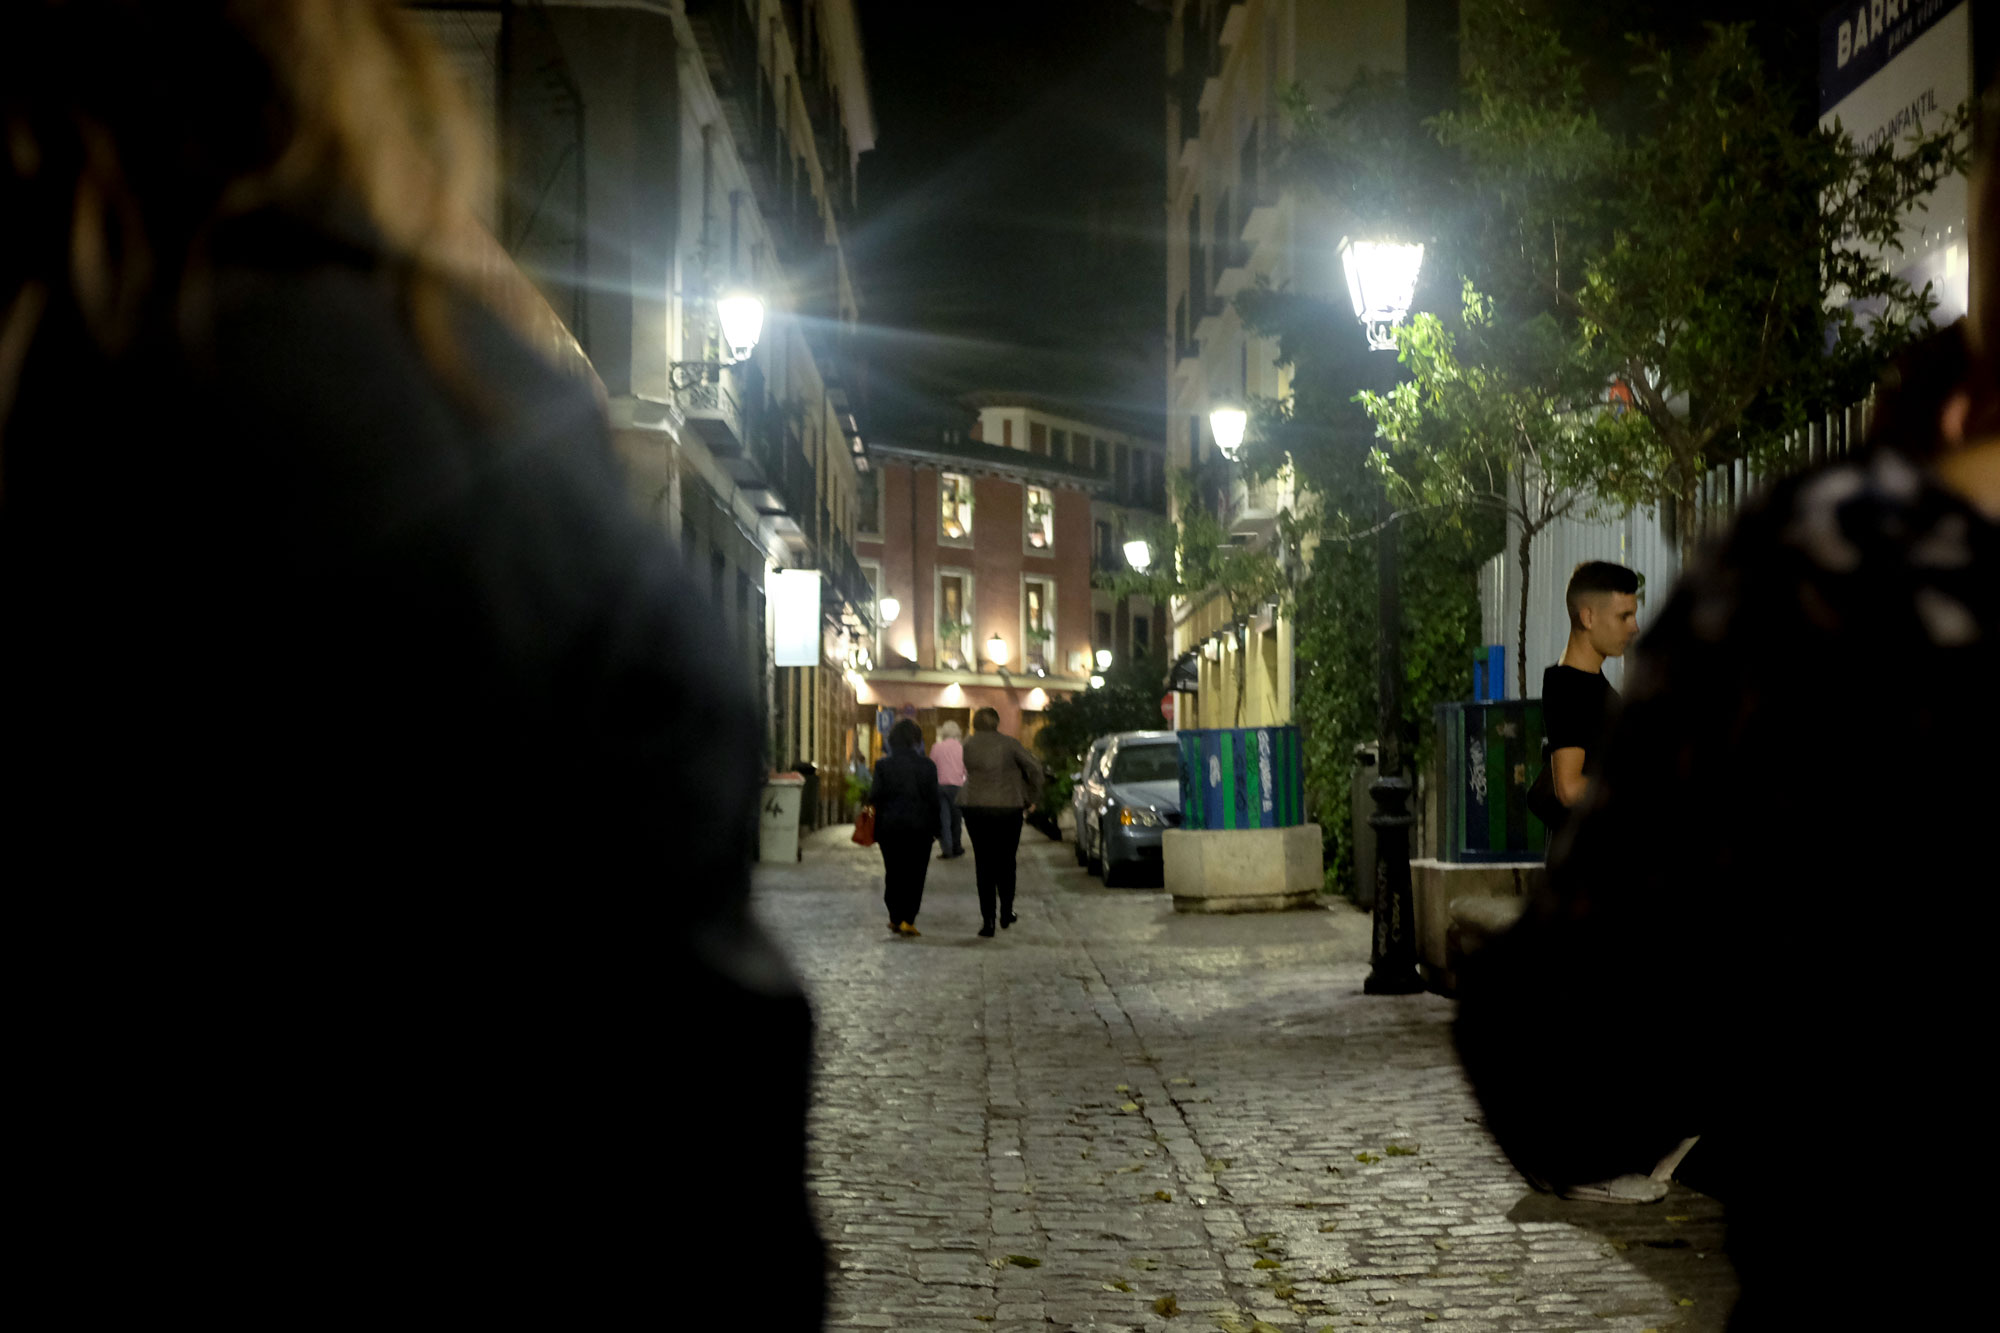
(1185, 678)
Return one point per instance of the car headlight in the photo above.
(1144, 818)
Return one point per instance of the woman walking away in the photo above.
(949, 756)
(907, 820)
(1002, 782)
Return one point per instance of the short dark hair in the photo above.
(906, 735)
(986, 719)
(1593, 577)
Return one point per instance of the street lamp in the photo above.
(1104, 659)
(890, 609)
(1138, 555)
(1382, 279)
(1227, 423)
(996, 651)
(1097, 682)
(741, 314)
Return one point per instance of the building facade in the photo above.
(1231, 225)
(985, 552)
(654, 155)
(1129, 500)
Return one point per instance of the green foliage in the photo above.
(1128, 701)
(1713, 257)
(1336, 702)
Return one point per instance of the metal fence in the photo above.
(1645, 541)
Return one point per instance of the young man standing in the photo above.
(1577, 704)
(1577, 701)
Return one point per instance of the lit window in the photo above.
(955, 506)
(954, 630)
(1038, 622)
(1041, 518)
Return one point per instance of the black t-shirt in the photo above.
(1576, 706)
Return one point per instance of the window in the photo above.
(1106, 551)
(1123, 482)
(955, 507)
(1007, 433)
(954, 627)
(1038, 438)
(1103, 458)
(1041, 513)
(1157, 762)
(1059, 445)
(872, 571)
(868, 502)
(1038, 623)
(1142, 637)
(1102, 639)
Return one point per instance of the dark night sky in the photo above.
(1013, 206)
(1013, 212)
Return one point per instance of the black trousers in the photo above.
(906, 859)
(996, 837)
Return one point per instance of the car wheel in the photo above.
(1114, 874)
(1081, 859)
(1094, 861)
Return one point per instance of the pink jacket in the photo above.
(949, 756)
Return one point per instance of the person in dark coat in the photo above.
(907, 822)
(379, 799)
(1746, 932)
(1002, 783)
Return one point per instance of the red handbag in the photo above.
(864, 827)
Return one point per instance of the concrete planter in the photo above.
(1459, 905)
(1242, 870)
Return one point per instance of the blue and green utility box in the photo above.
(1488, 755)
(1242, 778)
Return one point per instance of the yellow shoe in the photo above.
(908, 929)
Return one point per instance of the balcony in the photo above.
(711, 410)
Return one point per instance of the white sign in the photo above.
(1890, 69)
(795, 616)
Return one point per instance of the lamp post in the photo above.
(1139, 555)
(1382, 280)
(1227, 422)
(996, 651)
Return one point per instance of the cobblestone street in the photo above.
(1114, 1117)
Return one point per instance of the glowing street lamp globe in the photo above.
(1104, 659)
(890, 608)
(1138, 555)
(1382, 281)
(1228, 423)
(996, 651)
(742, 316)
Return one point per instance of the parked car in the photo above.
(1079, 789)
(1128, 799)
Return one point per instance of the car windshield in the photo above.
(1147, 763)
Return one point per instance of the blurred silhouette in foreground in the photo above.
(1754, 929)
(378, 810)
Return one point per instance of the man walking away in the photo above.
(1002, 782)
(949, 756)
(1577, 701)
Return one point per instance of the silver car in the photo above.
(1129, 797)
(1079, 788)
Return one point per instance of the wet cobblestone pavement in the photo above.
(1115, 1117)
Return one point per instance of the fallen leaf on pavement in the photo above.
(1398, 1150)
(1129, 1106)
(1120, 1285)
(1024, 1261)
(1366, 1158)
(1163, 1196)
(1265, 1263)
(1167, 1305)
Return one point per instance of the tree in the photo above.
(1516, 427)
(1722, 261)
(1194, 557)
